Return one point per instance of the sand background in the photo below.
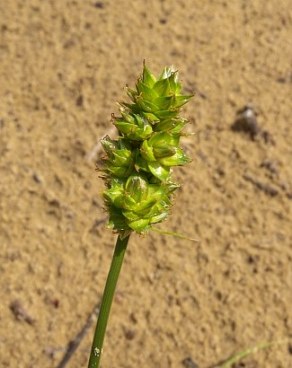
(63, 66)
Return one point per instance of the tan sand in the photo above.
(63, 66)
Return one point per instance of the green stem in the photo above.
(107, 299)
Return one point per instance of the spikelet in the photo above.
(139, 162)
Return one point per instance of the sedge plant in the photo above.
(137, 171)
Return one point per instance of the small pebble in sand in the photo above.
(189, 363)
(246, 121)
(20, 313)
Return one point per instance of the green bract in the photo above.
(138, 163)
(133, 126)
(120, 161)
(157, 98)
(135, 204)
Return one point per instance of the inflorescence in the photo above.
(138, 166)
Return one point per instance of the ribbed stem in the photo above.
(107, 299)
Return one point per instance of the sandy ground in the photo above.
(63, 66)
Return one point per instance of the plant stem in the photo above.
(107, 299)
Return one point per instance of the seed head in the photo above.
(139, 162)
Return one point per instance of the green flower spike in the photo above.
(159, 98)
(139, 162)
(135, 204)
(161, 152)
(133, 126)
(137, 172)
(120, 161)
